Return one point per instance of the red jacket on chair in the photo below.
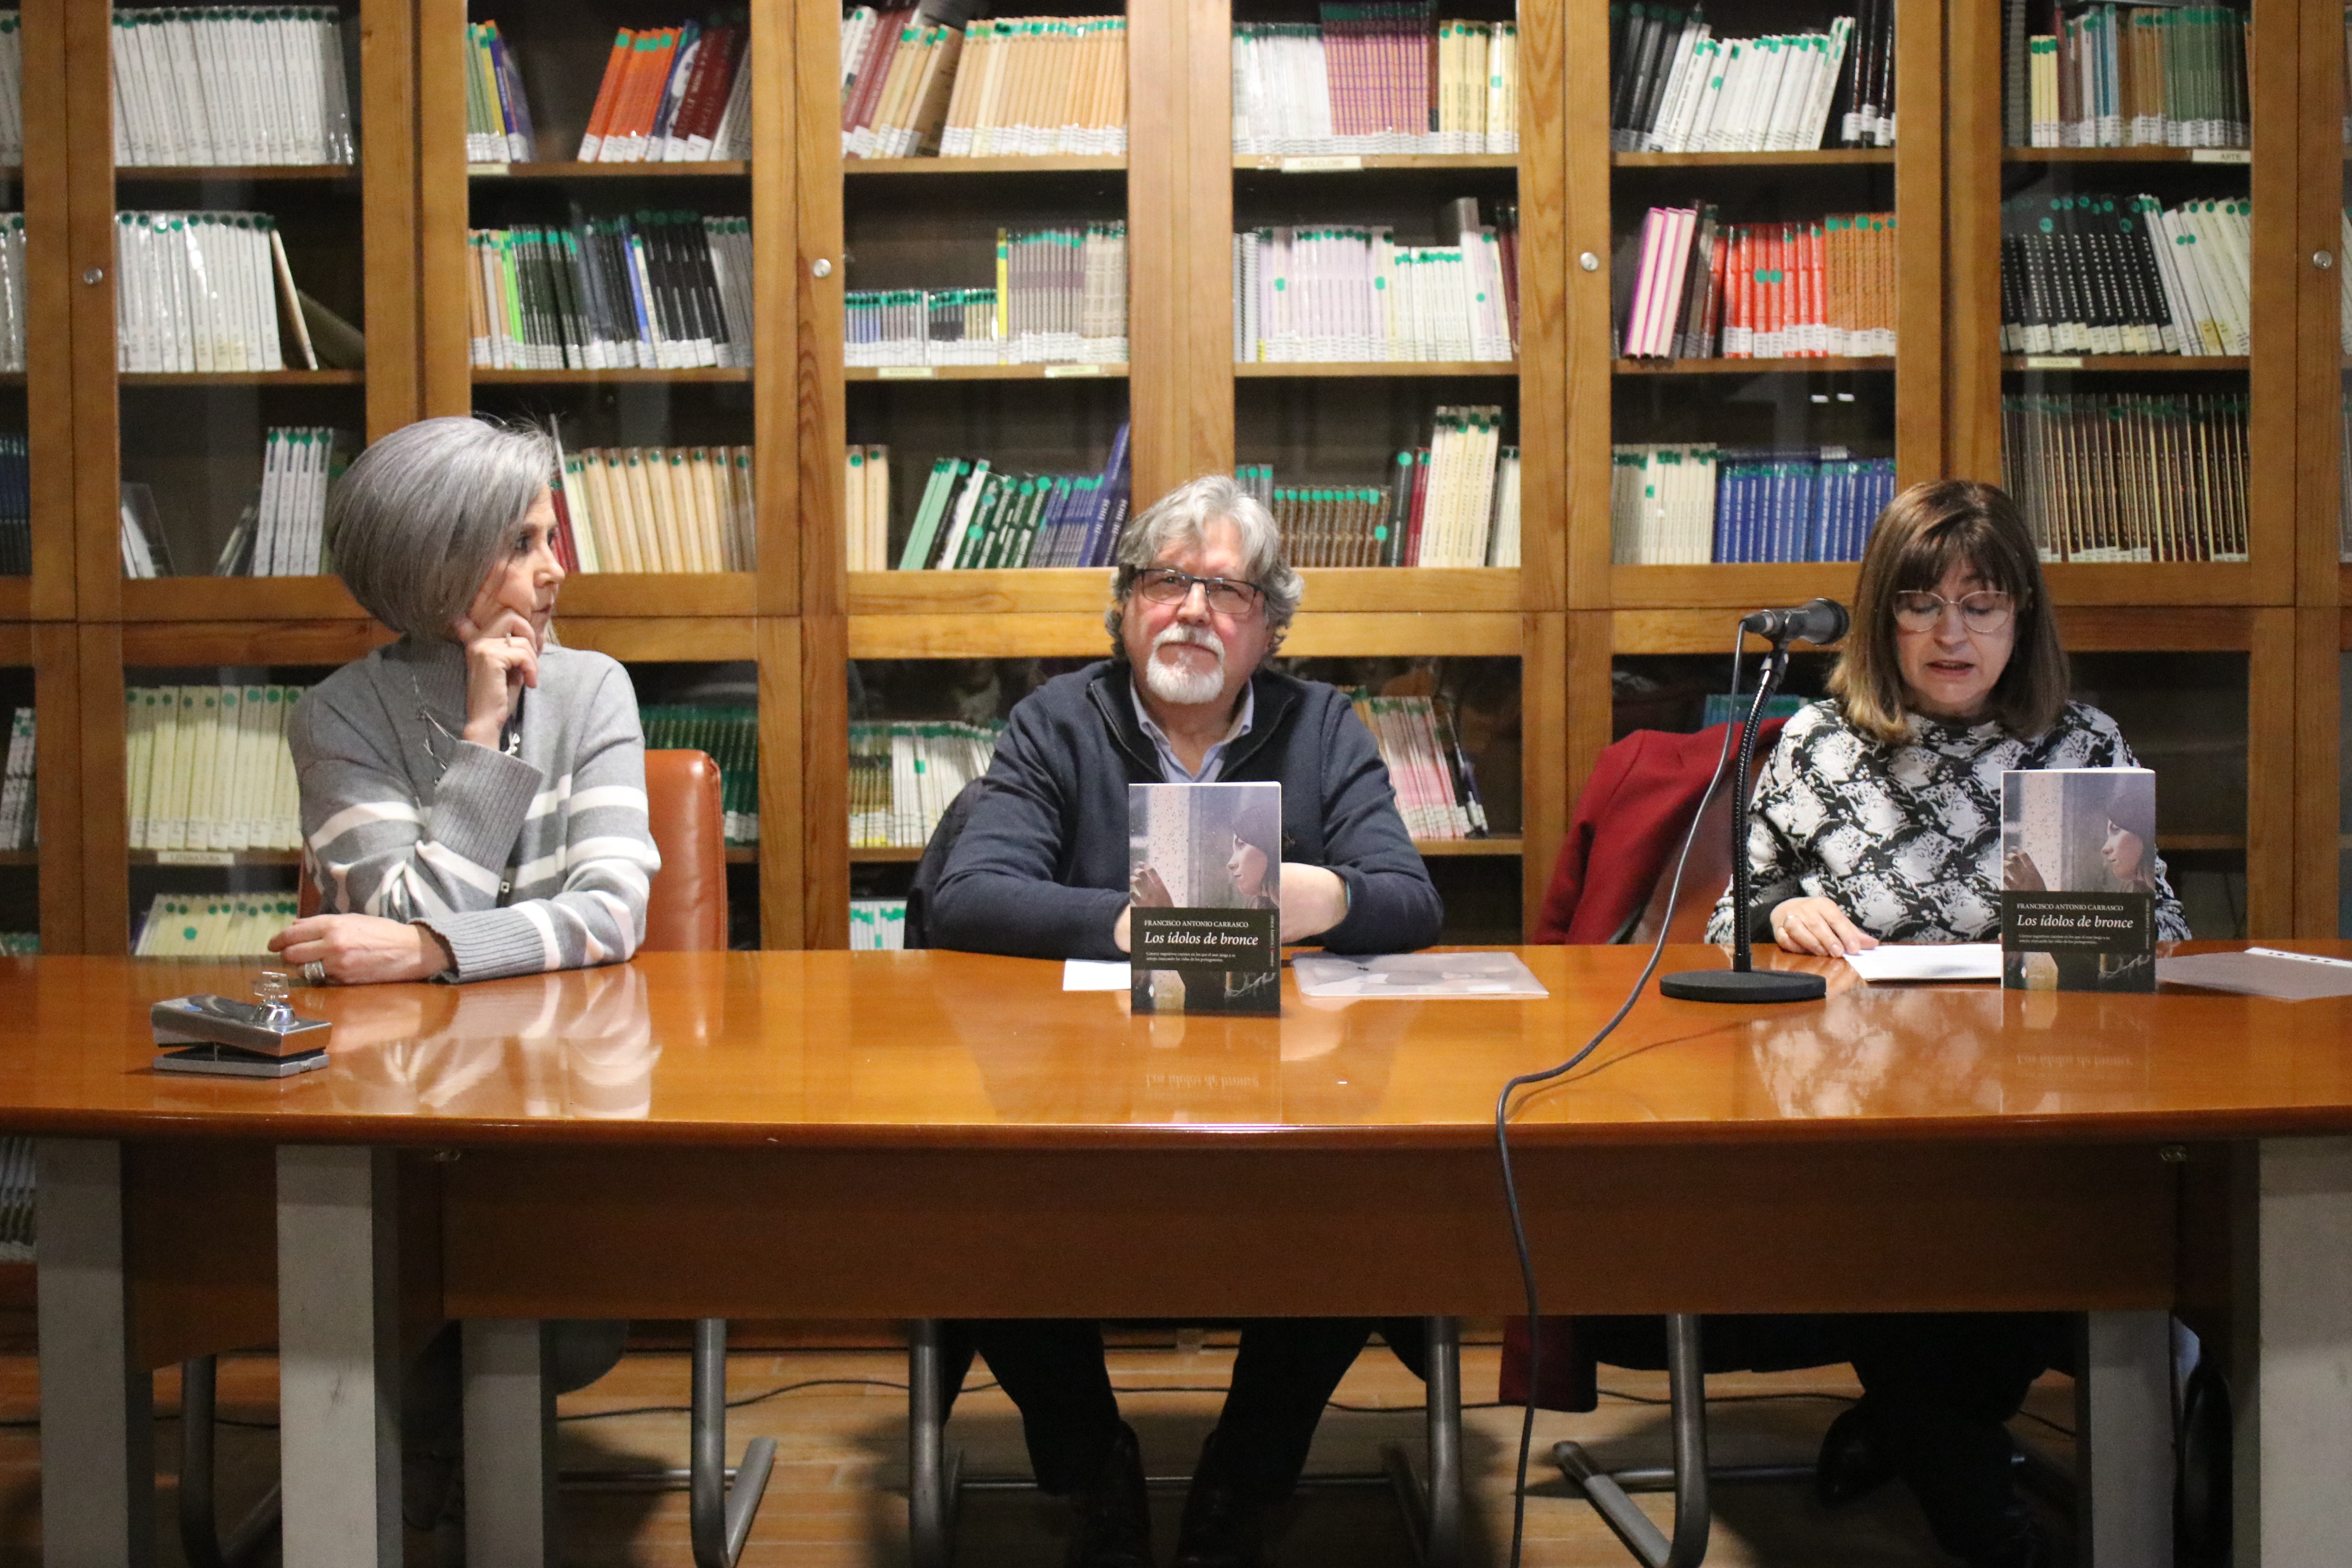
(1630, 820)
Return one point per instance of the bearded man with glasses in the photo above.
(1201, 601)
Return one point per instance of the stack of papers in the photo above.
(1434, 974)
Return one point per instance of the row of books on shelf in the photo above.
(729, 735)
(903, 775)
(973, 515)
(208, 768)
(212, 925)
(1679, 89)
(1060, 298)
(1694, 503)
(19, 799)
(2099, 273)
(205, 292)
(1383, 77)
(1345, 293)
(1435, 785)
(215, 85)
(913, 86)
(282, 534)
(677, 94)
(657, 509)
(1691, 286)
(652, 290)
(878, 925)
(2123, 476)
(1455, 502)
(2126, 76)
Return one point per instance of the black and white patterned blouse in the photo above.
(1906, 839)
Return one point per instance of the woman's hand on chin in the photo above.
(362, 950)
(501, 659)
(1819, 927)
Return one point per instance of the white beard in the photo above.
(1172, 683)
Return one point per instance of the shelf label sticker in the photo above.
(2053, 362)
(481, 170)
(194, 858)
(1322, 163)
(1057, 372)
(2220, 155)
(903, 372)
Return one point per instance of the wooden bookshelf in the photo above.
(392, 230)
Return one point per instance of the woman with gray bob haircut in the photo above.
(473, 795)
(1180, 517)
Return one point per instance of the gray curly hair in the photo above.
(1181, 517)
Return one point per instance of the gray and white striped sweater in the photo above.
(521, 863)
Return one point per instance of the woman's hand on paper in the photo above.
(362, 950)
(1819, 927)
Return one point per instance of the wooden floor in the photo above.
(837, 1501)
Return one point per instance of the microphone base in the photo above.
(1743, 985)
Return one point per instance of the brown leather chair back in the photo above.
(687, 909)
(1704, 875)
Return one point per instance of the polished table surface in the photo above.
(878, 1135)
(904, 1050)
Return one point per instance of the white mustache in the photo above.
(1198, 637)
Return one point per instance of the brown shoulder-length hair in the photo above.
(1923, 533)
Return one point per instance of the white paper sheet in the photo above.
(1923, 961)
(2261, 972)
(1093, 974)
(1434, 974)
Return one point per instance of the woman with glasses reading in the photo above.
(1878, 817)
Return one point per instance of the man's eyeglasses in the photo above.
(1227, 595)
(1986, 610)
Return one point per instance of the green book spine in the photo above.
(918, 553)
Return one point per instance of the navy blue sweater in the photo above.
(1041, 868)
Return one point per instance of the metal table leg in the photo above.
(200, 1538)
(1434, 1510)
(338, 1349)
(98, 1476)
(720, 1514)
(931, 1470)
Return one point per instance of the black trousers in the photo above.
(1053, 1369)
(1939, 1388)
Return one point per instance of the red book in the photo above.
(1817, 261)
(566, 550)
(857, 104)
(706, 90)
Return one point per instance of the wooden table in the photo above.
(935, 1134)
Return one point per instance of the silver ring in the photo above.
(314, 972)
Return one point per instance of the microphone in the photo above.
(1821, 623)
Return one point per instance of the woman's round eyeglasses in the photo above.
(1227, 595)
(1986, 610)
